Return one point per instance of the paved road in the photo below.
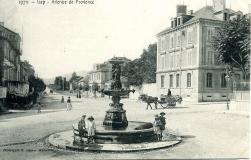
(207, 133)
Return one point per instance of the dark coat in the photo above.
(163, 122)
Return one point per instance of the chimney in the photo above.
(219, 5)
(181, 10)
(190, 12)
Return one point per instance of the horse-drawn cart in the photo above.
(167, 101)
(164, 101)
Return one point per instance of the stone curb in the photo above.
(64, 140)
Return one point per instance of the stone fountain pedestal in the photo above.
(116, 117)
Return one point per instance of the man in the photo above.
(82, 128)
(163, 123)
(169, 93)
(62, 99)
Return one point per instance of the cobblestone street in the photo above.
(206, 131)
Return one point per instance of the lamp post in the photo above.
(228, 77)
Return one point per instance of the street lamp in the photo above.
(228, 80)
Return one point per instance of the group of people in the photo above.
(78, 95)
(159, 125)
(87, 128)
(68, 103)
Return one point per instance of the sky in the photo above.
(59, 39)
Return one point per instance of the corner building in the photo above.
(186, 60)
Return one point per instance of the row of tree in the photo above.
(143, 69)
(232, 44)
(60, 83)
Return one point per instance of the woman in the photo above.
(90, 127)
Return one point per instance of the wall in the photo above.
(240, 101)
(149, 89)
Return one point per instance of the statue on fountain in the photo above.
(116, 115)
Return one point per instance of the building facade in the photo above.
(13, 73)
(101, 75)
(9, 55)
(186, 60)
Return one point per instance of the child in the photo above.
(163, 123)
(90, 127)
(156, 127)
(81, 127)
(39, 107)
(68, 104)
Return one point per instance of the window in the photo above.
(178, 21)
(189, 37)
(171, 81)
(209, 82)
(162, 45)
(162, 81)
(162, 61)
(189, 58)
(223, 80)
(178, 40)
(209, 34)
(225, 16)
(172, 43)
(209, 57)
(189, 80)
(177, 80)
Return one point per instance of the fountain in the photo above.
(116, 133)
(116, 128)
(116, 115)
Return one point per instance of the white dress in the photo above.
(90, 127)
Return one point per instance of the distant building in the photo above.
(186, 61)
(102, 75)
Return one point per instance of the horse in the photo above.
(149, 100)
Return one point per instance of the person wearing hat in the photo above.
(90, 127)
(163, 123)
(68, 104)
(62, 99)
(156, 127)
(81, 127)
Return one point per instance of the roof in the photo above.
(9, 30)
(206, 12)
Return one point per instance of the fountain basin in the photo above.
(64, 140)
(135, 132)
